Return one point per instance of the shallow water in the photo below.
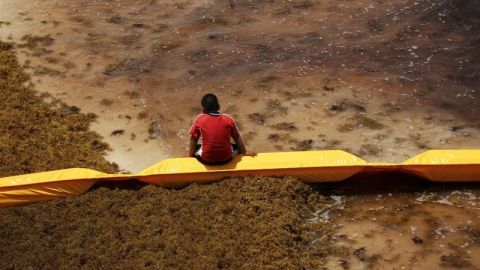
(383, 79)
(407, 224)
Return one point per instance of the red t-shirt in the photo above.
(215, 131)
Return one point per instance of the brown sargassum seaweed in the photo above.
(39, 135)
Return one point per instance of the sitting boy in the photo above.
(215, 129)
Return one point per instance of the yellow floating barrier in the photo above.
(307, 166)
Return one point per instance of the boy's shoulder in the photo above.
(203, 117)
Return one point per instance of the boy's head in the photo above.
(210, 103)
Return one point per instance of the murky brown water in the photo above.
(382, 79)
(406, 224)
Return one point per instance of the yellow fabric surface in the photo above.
(51, 176)
(446, 165)
(447, 157)
(308, 166)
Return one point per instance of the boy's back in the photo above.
(216, 129)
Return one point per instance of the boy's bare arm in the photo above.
(241, 147)
(193, 146)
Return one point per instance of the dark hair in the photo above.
(210, 103)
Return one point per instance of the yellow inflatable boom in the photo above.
(309, 166)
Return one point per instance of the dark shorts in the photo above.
(198, 156)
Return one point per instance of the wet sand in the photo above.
(383, 79)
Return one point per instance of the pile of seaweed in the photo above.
(239, 223)
(38, 132)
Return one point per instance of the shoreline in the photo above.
(143, 75)
(72, 77)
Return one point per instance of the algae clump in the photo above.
(36, 135)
